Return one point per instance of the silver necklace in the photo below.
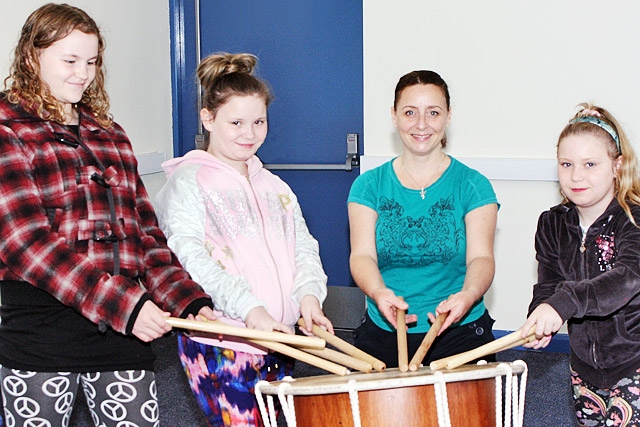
(422, 187)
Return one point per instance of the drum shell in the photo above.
(471, 404)
(393, 398)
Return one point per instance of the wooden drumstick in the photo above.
(341, 359)
(493, 347)
(416, 360)
(514, 339)
(220, 328)
(497, 345)
(403, 356)
(474, 354)
(345, 347)
(302, 356)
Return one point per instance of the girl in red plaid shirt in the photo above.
(86, 277)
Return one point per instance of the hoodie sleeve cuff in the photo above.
(135, 312)
(195, 306)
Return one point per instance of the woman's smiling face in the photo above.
(421, 117)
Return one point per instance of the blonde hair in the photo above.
(45, 26)
(627, 182)
(223, 75)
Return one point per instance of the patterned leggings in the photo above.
(618, 406)
(45, 399)
(223, 380)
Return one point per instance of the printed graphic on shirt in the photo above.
(434, 236)
(232, 215)
(607, 249)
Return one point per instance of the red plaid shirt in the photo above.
(56, 228)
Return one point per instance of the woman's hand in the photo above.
(547, 322)
(311, 313)
(389, 304)
(258, 318)
(151, 322)
(457, 305)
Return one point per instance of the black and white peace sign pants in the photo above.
(45, 399)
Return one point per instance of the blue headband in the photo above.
(602, 125)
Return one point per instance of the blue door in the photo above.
(311, 54)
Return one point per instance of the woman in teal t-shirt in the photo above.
(422, 228)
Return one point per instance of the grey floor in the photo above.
(548, 399)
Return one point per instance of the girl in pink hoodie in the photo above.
(238, 229)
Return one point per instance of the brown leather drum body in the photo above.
(393, 398)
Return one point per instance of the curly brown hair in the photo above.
(44, 27)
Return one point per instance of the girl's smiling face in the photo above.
(68, 67)
(587, 172)
(238, 130)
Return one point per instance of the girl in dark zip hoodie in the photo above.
(588, 252)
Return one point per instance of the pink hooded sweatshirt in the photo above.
(244, 240)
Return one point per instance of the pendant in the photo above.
(422, 193)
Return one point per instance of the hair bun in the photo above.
(589, 112)
(217, 65)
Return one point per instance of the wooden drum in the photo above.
(484, 395)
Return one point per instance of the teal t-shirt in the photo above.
(421, 244)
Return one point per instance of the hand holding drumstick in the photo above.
(389, 304)
(546, 322)
(311, 313)
(456, 306)
(259, 319)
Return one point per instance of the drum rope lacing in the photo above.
(442, 401)
(519, 398)
(355, 404)
(268, 417)
(288, 410)
(514, 396)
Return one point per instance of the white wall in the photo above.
(138, 65)
(516, 70)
